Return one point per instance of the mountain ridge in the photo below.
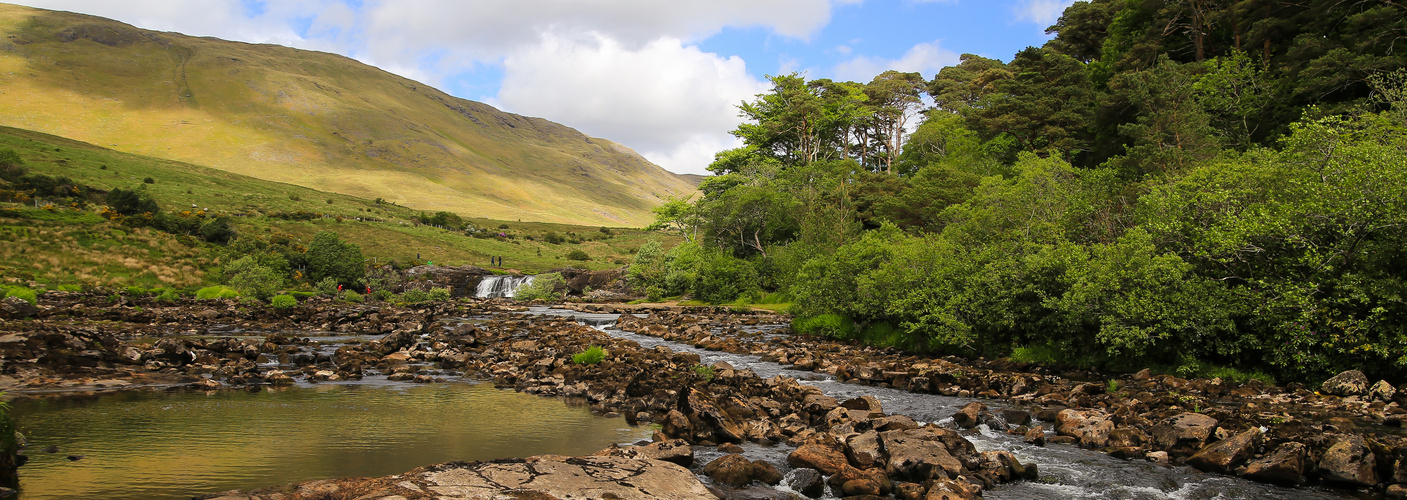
(313, 119)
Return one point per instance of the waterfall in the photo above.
(501, 286)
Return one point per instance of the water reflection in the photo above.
(154, 445)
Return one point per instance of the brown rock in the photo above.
(807, 481)
(732, 470)
(868, 403)
(1348, 383)
(919, 454)
(864, 450)
(1183, 434)
(820, 457)
(1284, 465)
(561, 477)
(1396, 492)
(970, 415)
(1223, 456)
(675, 451)
(1036, 436)
(948, 489)
(1382, 391)
(1349, 461)
(1090, 427)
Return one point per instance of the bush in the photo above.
(330, 257)
(70, 288)
(283, 301)
(553, 238)
(354, 297)
(592, 355)
(23, 293)
(828, 325)
(578, 254)
(548, 286)
(168, 295)
(216, 292)
(414, 296)
(136, 291)
(328, 286)
(302, 295)
(252, 279)
(440, 293)
(704, 372)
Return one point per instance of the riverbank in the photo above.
(1262, 433)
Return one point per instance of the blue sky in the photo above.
(662, 77)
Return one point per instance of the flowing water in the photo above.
(492, 287)
(151, 445)
(1066, 471)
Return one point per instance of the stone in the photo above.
(1090, 427)
(816, 456)
(806, 481)
(852, 481)
(818, 404)
(16, 308)
(970, 415)
(920, 454)
(1225, 455)
(1183, 434)
(867, 403)
(947, 489)
(731, 470)
(1382, 391)
(1127, 437)
(1036, 436)
(550, 476)
(1158, 457)
(1016, 417)
(894, 423)
(864, 450)
(1396, 492)
(1348, 383)
(1349, 461)
(1283, 466)
(676, 451)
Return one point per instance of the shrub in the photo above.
(283, 301)
(302, 295)
(546, 286)
(592, 355)
(330, 257)
(440, 293)
(704, 372)
(829, 325)
(252, 279)
(553, 238)
(578, 254)
(70, 288)
(351, 296)
(328, 286)
(136, 291)
(23, 293)
(415, 296)
(168, 295)
(216, 292)
(149, 180)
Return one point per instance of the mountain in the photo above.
(311, 119)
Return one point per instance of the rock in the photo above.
(970, 415)
(675, 451)
(731, 470)
(561, 477)
(1036, 436)
(16, 308)
(730, 448)
(1090, 427)
(1158, 457)
(724, 427)
(820, 457)
(1348, 383)
(818, 404)
(864, 450)
(865, 403)
(1349, 461)
(1223, 456)
(1396, 492)
(1382, 391)
(1283, 466)
(1183, 434)
(894, 423)
(806, 481)
(1016, 417)
(852, 481)
(919, 454)
(1399, 465)
(1143, 374)
(948, 489)
(1127, 437)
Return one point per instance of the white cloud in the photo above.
(671, 102)
(1042, 12)
(924, 58)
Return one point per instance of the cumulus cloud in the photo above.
(924, 58)
(1042, 12)
(669, 101)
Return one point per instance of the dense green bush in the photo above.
(330, 257)
(20, 292)
(216, 292)
(283, 301)
(353, 297)
(439, 293)
(252, 279)
(414, 296)
(546, 286)
(578, 254)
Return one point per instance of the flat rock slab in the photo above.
(545, 477)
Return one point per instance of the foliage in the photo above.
(283, 301)
(414, 296)
(327, 286)
(19, 292)
(578, 255)
(329, 256)
(439, 293)
(216, 292)
(353, 297)
(704, 372)
(546, 286)
(590, 356)
(252, 279)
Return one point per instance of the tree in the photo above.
(676, 214)
(895, 98)
(330, 257)
(131, 202)
(11, 165)
(1047, 105)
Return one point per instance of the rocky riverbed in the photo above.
(76, 342)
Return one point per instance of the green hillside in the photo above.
(310, 119)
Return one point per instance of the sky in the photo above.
(663, 77)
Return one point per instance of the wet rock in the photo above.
(1158, 457)
(1396, 492)
(817, 456)
(560, 477)
(1035, 436)
(1349, 461)
(1183, 434)
(1225, 455)
(1399, 465)
(970, 415)
(1284, 465)
(948, 489)
(732, 470)
(1016, 417)
(867, 403)
(852, 482)
(894, 423)
(675, 451)
(723, 427)
(806, 481)
(1348, 383)
(16, 308)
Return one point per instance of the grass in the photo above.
(316, 120)
(592, 355)
(82, 249)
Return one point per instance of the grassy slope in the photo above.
(310, 119)
(70, 247)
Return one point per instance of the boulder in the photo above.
(16, 308)
(731, 470)
(948, 489)
(1382, 391)
(806, 481)
(920, 454)
(864, 450)
(1223, 456)
(1036, 436)
(865, 403)
(970, 415)
(1283, 466)
(1183, 434)
(1348, 383)
(675, 451)
(1090, 427)
(1349, 461)
(816, 456)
